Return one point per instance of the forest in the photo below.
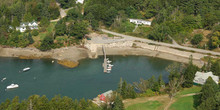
(176, 18)
(170, 18)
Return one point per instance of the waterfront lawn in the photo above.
(150, 105)
(194, 89)
(185, 103)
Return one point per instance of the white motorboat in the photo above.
(3, 79)
(52, 61)
(12, 86)
(26, 69)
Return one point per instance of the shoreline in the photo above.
(75, 54)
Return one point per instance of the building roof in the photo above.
(200, 77)
(140, 20)
(108, 93)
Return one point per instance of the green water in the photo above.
(87, 80)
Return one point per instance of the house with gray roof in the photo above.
(201, 77)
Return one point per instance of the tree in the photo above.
(30, 39)
(208, 90)
(118, 104)
(174, 86)
(28, 17)
(78, 30)
(60, 28)
(44, 22)
(209, 97)
(47, 43)
(197, 39)
(15, 22)
(35, 32)
(160, 81)
(215, 68)
(74, 14)
(189, 74)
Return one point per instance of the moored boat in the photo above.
(3, 79)
(26, 69)
(12, 86)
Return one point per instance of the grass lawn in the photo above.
(150, 105)
(194, 89)
(43, 34)
(183, 103)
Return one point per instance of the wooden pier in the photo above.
(105, 60)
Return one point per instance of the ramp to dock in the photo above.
(105, 60)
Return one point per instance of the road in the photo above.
(62, 13)
(131, 38)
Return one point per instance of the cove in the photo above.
(85, 81)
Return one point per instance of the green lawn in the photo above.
(150, 105)
(183, 103)
(194, 89)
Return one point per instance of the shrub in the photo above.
(35, 33)
(197, 39)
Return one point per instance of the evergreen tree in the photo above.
(160, 81)
(189, 75)
(15, 22)
(60, 28)
(44, 22)
(208, 90)
(30, 39)
(215, 68)
(118, 104)
(47, 43)
(28, 17)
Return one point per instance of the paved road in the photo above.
(131, 38)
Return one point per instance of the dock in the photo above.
(105, 60)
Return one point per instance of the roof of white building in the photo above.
(200, 77)
(139, 20)
(80, 1)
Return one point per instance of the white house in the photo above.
(25, 25)
(200, 77)
(139, 21)
(80, 1)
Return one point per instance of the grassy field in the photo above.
(43, 34)
(150, 105)
(194, 89)
(183, 103)
(186, 102)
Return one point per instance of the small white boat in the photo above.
(110, 65)
(108, 61)
(52, 61)
(3, 79)
(12, 86)
(109, 69)
(26, 69)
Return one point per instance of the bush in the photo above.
(35, 33)
(197, 39)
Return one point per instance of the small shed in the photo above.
(201, 77)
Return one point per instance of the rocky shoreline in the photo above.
(70, 56)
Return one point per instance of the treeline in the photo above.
(36, 102)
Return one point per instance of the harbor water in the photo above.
(85, 81)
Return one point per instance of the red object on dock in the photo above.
(102, 97)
